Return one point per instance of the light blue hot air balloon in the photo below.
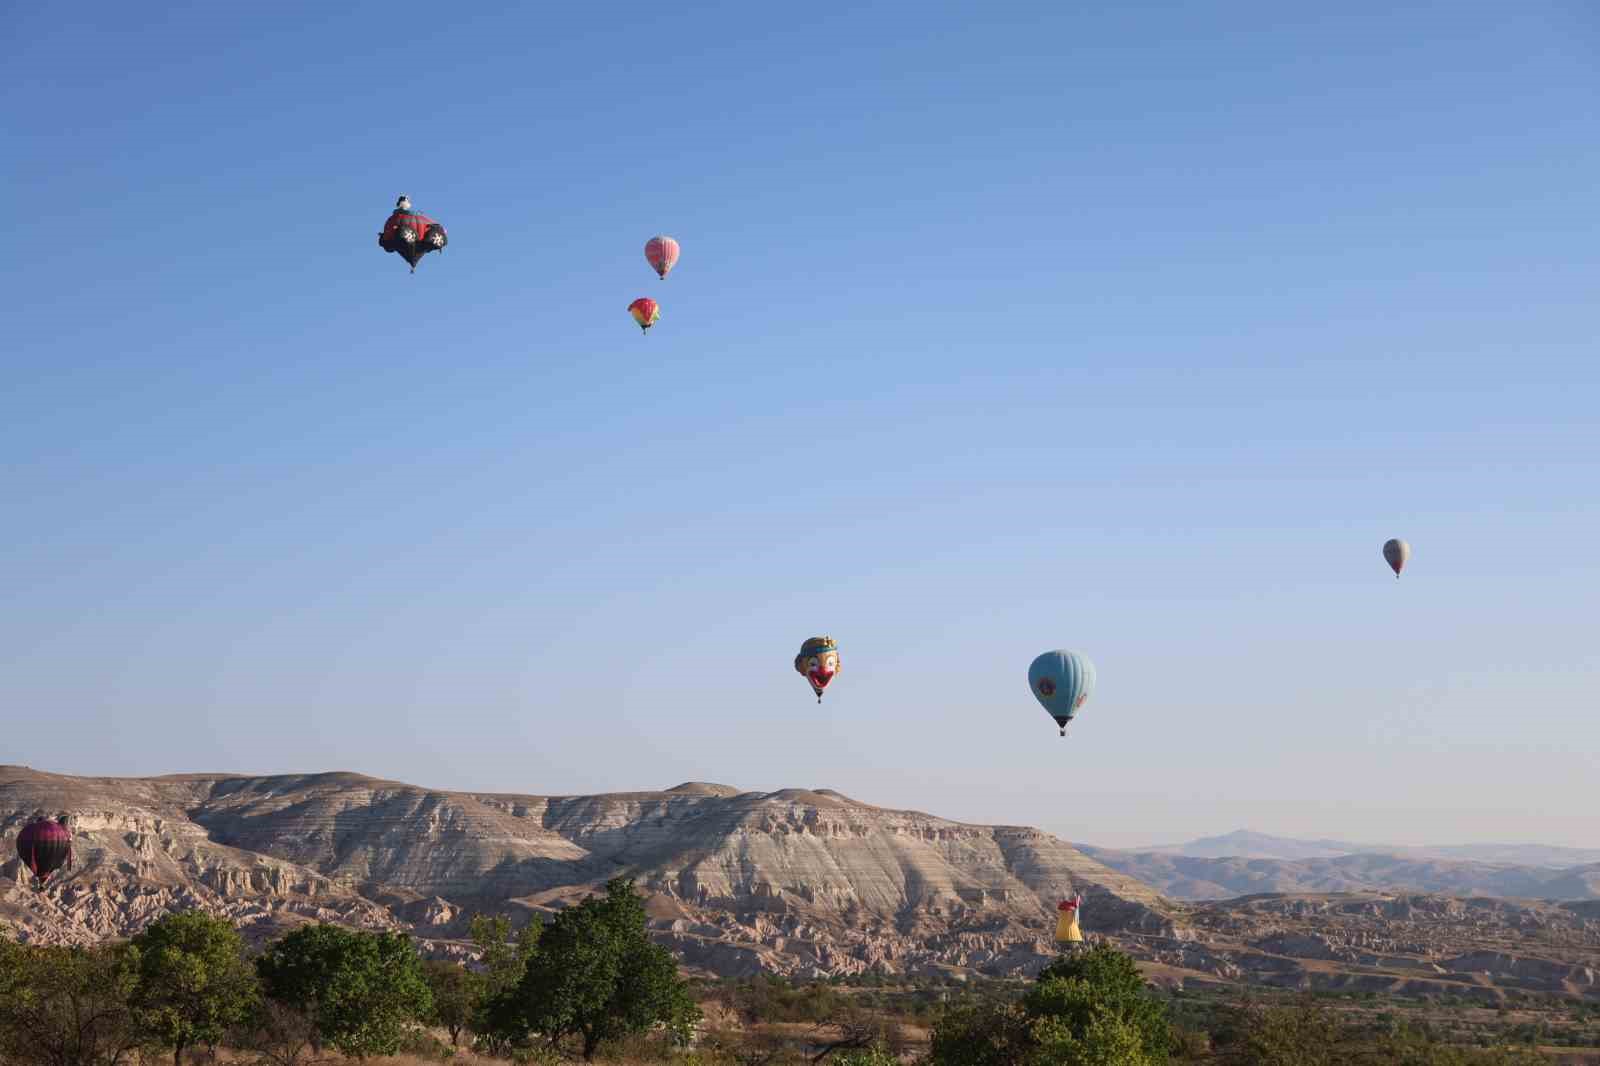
(1061, 681)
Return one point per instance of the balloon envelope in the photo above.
(1061, 681)
(662, 254)
(1395, 553)
(1067, 929)
(818, 663)
(412, 235)
(44, 847)
(644, 311)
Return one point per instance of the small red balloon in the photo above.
(644, 311)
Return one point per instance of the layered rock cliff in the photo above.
(793, 881)
(803, 883)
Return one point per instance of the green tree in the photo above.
(1304, 1034)
(359, 989)
(1104, 1040)
(194, 981)
(455, 991)
(1097, 996)
(1412, 1045)
(596, 975)
(497, 1019)
(503, 956)
(981, 1034)
(67, 1006)
(1091, 1008)
(1309, 1033)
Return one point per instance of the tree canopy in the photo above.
(67, 1006)
(193, 981)
(455, 991)
(360, 989)
(1091, 1008)
(497, 1017)
(597, 975)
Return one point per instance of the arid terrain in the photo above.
(1189, 877)
(793, 882)
(1247, 844)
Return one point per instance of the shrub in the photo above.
(361, 990)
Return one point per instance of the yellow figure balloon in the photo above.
(1067, 930)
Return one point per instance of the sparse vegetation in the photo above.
(592, 986)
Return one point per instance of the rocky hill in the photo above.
(793, 881)
(797, 882)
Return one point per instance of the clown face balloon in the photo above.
(818, 662)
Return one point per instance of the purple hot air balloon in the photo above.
(1395, 553)
(44, 847)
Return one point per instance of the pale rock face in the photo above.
(796, 881)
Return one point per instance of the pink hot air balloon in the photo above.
(662, 254)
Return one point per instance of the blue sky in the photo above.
(998, 328)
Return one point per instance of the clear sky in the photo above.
(998, 328)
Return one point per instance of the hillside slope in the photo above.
(792, 881)
(796, 882)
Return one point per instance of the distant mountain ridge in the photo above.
(1247, 844)
(1191, 877)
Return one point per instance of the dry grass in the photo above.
(463, 1057)
(225, 1057)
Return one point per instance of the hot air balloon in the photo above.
(1061, 681)
(818, 663)
(1067, 930)
(411, 234)
(1395, 553)
(44, 847)
(645, 312)
(662, 254)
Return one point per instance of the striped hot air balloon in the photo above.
(1061, 681)
(662, 254)
(644, 311)
(44, 847)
